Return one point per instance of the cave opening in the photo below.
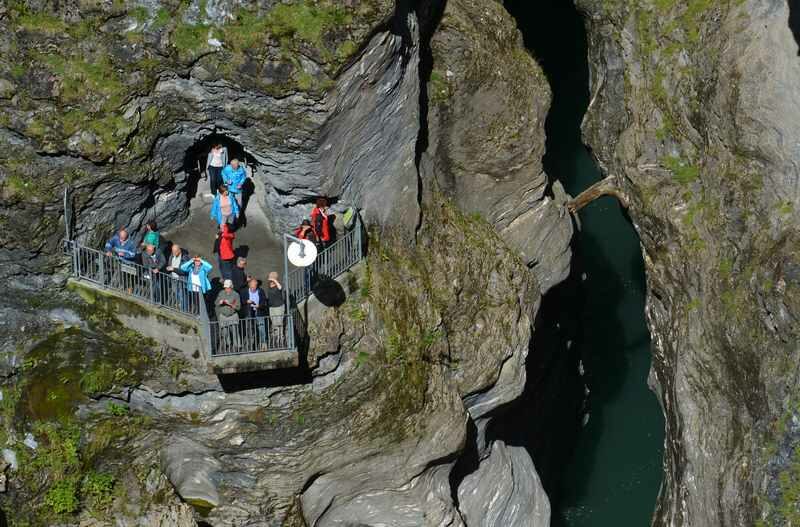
(194, 160)
(600, 460)
(254, 238)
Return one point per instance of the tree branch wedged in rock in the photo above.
(605, 187)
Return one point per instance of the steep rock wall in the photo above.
(694, 110)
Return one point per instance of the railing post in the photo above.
(286, 282)
(290, 331)
(102, 269)
(75, 270)
(358, 236)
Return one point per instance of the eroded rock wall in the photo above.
(106, 98)
(695, 109)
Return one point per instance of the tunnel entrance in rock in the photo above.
(601, 467)
(195, 158)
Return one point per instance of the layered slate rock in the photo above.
(695, 111)
(326, 99)
(487, 101)
(107, 101)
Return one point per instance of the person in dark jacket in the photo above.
(254, 305)
(153, 262)
(239, 274)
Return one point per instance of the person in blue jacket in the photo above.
(197, 281)
(234, 176)
(224, 209)
(121, 246)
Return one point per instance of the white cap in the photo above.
(227, 283)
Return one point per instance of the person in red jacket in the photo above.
(223, 246)
(321, 223)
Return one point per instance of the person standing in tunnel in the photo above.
(234, 176)
(215, 161)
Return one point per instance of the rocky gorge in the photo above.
(430, 118)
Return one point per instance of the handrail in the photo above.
(252, 334)
(134, 280)
(331, 262)
(240, 336)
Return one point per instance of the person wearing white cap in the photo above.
(227, 306)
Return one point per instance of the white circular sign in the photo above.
(302, 255)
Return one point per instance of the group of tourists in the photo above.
(171, 275)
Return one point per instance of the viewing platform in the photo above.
(163, 307)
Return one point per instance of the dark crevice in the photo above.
(593, 322)
(467, 463)
(794, 20)
(429, 15)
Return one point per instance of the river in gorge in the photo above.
(608, 472)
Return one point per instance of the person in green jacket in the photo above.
(151, 235)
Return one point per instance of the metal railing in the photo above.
(219, 337)
(237, 336)
(331, 262)
(113, 273)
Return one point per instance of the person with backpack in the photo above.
(227, 307)
(151, 235)
(153, 261)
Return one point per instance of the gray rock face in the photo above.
(505, 490)
(488, 103)
(192, 469)
(437, 337)
(696, 113)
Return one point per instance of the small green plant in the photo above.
(189, 37)
(140, 14)
(162, 18)
(117, 410)
(682, 171)
(361, 358)
(62, 497)
(438, 88)
(97, 490)
(357, 313)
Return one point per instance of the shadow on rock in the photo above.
(328, 291)
(236, 382)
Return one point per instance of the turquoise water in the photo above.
(609, 475)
